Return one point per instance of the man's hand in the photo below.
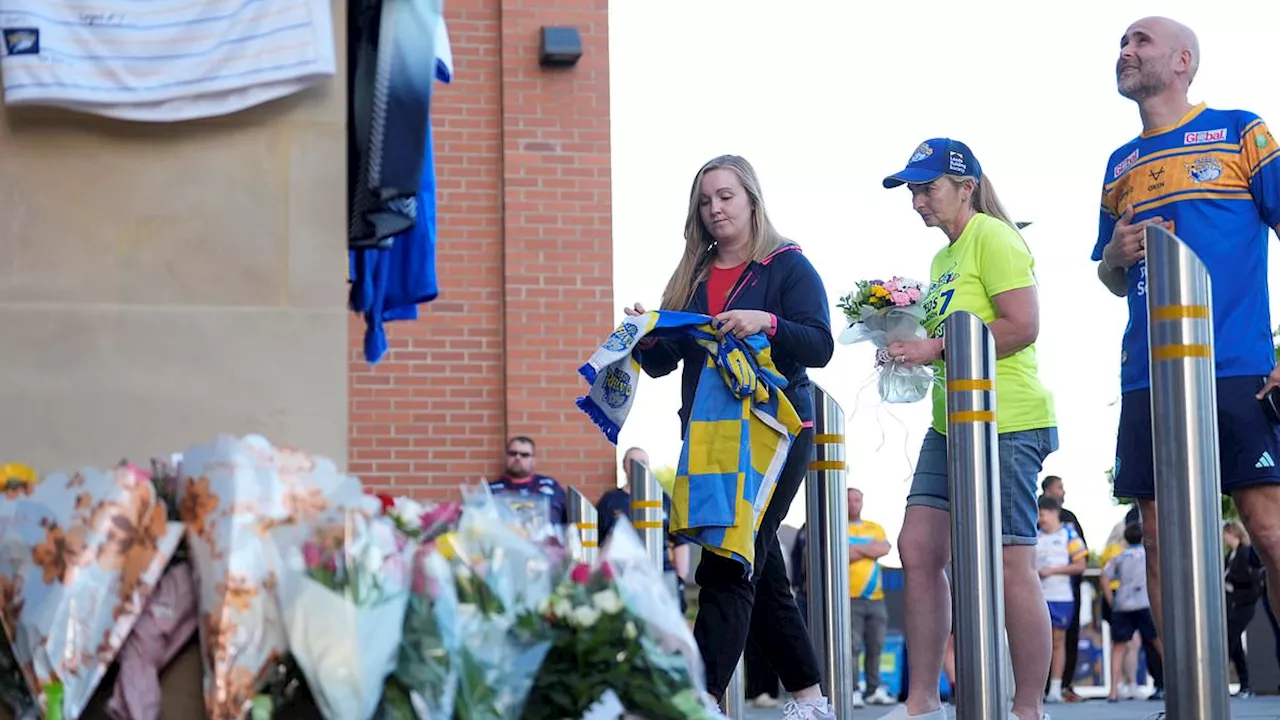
(1273, 380)
(743, 323)
(1128, 241)
(634, 310)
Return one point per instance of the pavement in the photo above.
(1256, 708)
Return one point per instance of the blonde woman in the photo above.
(1244, 586)
(738, 269)
(987, 269)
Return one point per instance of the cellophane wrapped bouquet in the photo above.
(883, 312)
(343, 587)
(232, 494)
(620, 645)
(465, 653)
(79, 555)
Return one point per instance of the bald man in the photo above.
(1212, 177)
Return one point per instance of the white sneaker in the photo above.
(900, 713)
(808, 710)
(1053, 698)
(880, 697)
(858, 702)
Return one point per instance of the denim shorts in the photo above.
(1022, 457)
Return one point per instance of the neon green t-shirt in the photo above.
(989, 258)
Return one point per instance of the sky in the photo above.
(825, 98)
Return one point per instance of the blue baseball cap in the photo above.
(935, 158)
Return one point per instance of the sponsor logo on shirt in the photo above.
(1125, 164)
(1204, 136)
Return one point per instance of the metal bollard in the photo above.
(826, 527)
(646, 511)
(1184, 433)
(973, 474)
(735, 695)
(583, 516)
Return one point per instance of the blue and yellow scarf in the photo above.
(741, 426)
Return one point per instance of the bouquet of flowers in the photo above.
(232, 492)
(343, 588)
(618, 640)
(79, 556)
(885, 312)
(464, 656)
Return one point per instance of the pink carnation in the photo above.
(913, 293)
(900, 299)
(890, 286)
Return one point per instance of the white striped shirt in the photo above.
(162, 60)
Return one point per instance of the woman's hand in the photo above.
(634, 310)
(912, 353)
(743, 323)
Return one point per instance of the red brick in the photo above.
(525, 260)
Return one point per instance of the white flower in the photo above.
(407, 510)
(607, 602)
(585, 616)
(629, 631)
(544, 606)
(563, 608)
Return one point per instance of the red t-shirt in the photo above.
(719, 285)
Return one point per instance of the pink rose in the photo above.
(606, 570)
(900, 298)
(312, 555)
(580, 574)
(913, 294)
(890, 286)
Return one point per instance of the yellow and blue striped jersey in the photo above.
(1214, 175)
(864, 574)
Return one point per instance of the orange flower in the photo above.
(238, 593)
(60, 553)
(197, 503)
(304, 504)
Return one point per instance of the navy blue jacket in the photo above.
(785, 284)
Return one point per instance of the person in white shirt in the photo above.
(1060, 554)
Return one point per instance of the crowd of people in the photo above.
(1209, 175)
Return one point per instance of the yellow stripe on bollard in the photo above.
(1181, 312)
(970, 385)
(827, 465)
(1182, 351)
(971, 416)
(828, 439)
(647, 525)
(586, 526)
(647, 504)
(590, 543)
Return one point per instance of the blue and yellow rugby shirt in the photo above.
(1215, 175)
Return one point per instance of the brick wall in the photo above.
(525, 261)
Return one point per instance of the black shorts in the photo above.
(1125, 624)
(1248, 442)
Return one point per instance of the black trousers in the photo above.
(761, 679)
(731, 606)
(1238, 619)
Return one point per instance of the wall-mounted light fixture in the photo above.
(559, 46)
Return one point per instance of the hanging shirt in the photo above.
(162, 60)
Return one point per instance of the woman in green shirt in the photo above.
(986, 269)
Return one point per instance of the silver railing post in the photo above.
(1184, 433)
(582, 516)
(827, 566)
(735, 695)
(646, 511)
(973, 473)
